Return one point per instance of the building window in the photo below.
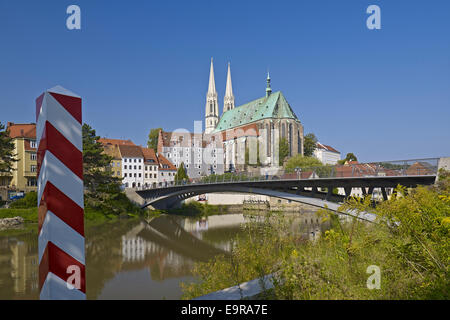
(33, 168)
(33, 156)
(135, 175)
(135, 167)
(134, 160)
(125, 166)
(146, 175)
(140, 175)
(33, 144)
(124, 175)
(139, 167)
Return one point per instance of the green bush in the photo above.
(29, 201)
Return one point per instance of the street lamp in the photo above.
(299, 171)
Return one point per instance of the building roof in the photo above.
(165, 164)
(105, 141)
(187, 139)
(130, 151)
(112, 150)
(179, 139)
(149, 155)
(325, 147)
(273, 106)
(22, 130)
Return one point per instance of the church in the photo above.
(250, 133)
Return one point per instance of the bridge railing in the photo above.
(415, 167)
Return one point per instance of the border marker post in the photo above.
(60, 195)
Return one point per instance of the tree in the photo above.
(350, 157)
(309, 144)
(302, 162)
(7, 156)
(97, 175)
(152, 142)
(181, 174)
(283, 150)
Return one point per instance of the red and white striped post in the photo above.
(60, 195)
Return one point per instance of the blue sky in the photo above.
(381, 94)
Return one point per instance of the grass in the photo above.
(28, 214)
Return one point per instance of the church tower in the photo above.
(228, 100)
(212, 105)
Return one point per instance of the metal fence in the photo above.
(415, 167)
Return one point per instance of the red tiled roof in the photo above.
(130, 151)
(149, 155)
(22, 130)
(115, 141)
(326, 147)
(187, 139)
(165, 164)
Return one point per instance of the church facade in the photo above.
(250, 133)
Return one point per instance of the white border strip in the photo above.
(62, 177)
(55, 288)
(61, 119)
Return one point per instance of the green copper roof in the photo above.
(273, 106)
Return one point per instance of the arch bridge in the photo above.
(312, 186)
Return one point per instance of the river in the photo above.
(132, 259)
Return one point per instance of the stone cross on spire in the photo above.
(228, 101)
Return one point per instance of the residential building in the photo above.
(151, 167)
(326, 154)
(201, 154)
(166, 171)
(132, 166)
(23, 178)
(138, 167)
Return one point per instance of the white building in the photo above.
(166, 171)
(132, 166)
(151, 166)
(327, 154)
(201, 154)
(139, 167)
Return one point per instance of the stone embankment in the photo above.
(10, 222)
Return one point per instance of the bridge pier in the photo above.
(383, 191)
(348, 191)
(329, 194)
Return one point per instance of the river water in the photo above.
(132, 259)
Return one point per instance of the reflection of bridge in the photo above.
(304, 186)
(165, 232)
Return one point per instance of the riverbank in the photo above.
(408, 248)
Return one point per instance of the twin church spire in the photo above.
(212, 105)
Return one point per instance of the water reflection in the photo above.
(134, 259)
(19, 266)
